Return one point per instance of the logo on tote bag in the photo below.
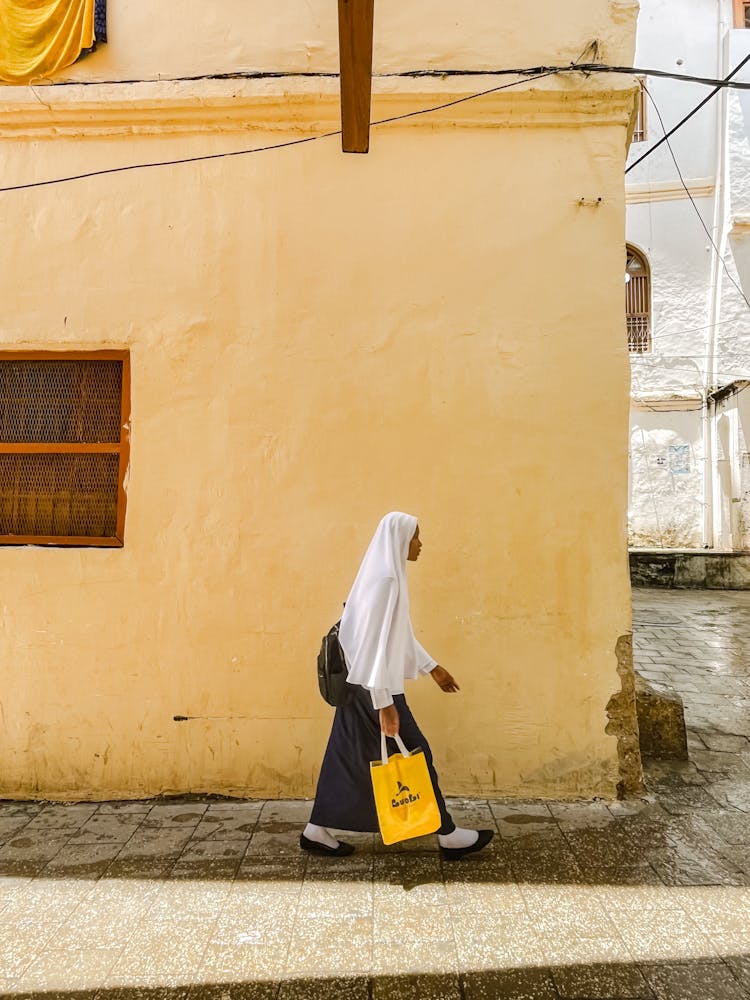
(406, 796)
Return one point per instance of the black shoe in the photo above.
(456, 853)
(314, 847)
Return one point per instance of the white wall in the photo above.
(700, 320)
(666, 455)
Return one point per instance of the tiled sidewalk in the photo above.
(586, 900)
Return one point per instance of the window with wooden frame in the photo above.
(639, 129)
(64, 447)
(637, 302)
(742, 13)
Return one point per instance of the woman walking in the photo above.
(381, 653)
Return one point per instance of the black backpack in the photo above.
(332, 669)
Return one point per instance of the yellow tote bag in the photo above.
(404, 796)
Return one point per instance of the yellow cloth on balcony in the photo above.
(38, 37)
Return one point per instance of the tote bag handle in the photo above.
(384, 748)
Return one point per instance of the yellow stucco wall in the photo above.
(316, 339)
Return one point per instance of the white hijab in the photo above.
(375, 632)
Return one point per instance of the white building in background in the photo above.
(688, 322)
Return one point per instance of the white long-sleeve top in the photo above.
(376, 633)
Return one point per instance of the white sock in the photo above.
(459, 838)
(320, 835)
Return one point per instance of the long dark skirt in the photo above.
(344, 799)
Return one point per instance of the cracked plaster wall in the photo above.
(317, 339)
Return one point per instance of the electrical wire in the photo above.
(260, 149)
(527, 75)
(687, 192)
(688, 116)
(415, 74)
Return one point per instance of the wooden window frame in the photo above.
(740, 6)
(122, 448)
(647, 345)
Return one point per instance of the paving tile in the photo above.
(431, 926)
(279, 838)
(418, 879)
(471, 813)
(509, 984)
(353, 869)
(243, 962)
(496, 941)
(160, 985)
(261, 876)
(63, 816)
(582, 815)
(182, 815)
(484, 897)
(335, 899)
(739, 966)
(192, 869)
(99, 928)
(214, 850)
(525, 820)
(253, 925)
(10, 826)
(416, 987)
(32, 850)
(134, 807)
(724, 741)
(616, 980)
(81, 861)
(343, 988)
(105, 829)
(228, 822)
(672, 937)
(154, 843)
(693, 981)
(233, 991)
(330, 947)
(58, 969)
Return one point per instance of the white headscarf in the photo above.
(375, 632)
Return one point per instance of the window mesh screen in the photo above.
(60, 444)
(59, 495)
(60, 401)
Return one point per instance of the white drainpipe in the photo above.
(720, 235)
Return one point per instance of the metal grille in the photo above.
(63, 450)
(639, 340)
(60, 401)
(59, 495)
(637, 303)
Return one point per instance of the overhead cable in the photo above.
(687, 192)
(256, 149)
(665, 138)
(415, 74)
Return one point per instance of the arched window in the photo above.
(637, 302)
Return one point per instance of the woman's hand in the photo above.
(389, 720)
(444, 680)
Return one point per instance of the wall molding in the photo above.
(302, 106)
(701, 187)
(660, 402)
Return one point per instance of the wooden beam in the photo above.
(355, 72)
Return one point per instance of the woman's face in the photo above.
(415, 547)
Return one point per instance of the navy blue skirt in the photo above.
(344, 799)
